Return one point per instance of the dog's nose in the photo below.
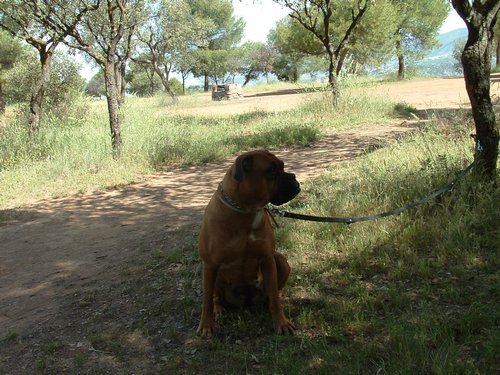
(297, 186)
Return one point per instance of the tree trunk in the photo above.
(498, 51)
(476, 62)
(332, 77)
(112, 97)
(166, 85)
(248, 78)
(37, 94)
(118, 81)
(205, 83)
(123, 83)
(2, 100)
(401, 67)
(480, 18)
(401, 60)
(343, 55)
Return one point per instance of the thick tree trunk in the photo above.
(37, 94)
(112, 97)
(119, 71)
(480, 18)
(476, 61)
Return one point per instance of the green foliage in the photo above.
(290, 37)
(175, 86)
(219, 65)
(297, 51)
(256, 59)
(227, 30)
(418, 25)
(64, 87)
(142, 81)
(372, 41)
(167, 40)
(10, 50)
(217, 57)
(96, 86)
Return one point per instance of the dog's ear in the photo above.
(243, 165)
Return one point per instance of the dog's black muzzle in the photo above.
(288, 188)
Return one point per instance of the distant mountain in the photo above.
(447, 42)
(438, 63)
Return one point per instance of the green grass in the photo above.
(416, 293)
(74, 155)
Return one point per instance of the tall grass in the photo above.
(74, 154)
(415, 293)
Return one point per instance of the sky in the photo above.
(261, 16)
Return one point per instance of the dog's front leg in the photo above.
(207, 323)
(270, 274)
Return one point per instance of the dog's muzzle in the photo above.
(288, 188)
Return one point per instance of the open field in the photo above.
(108, 281)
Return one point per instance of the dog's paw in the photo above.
(286, 328)
(206, 330)
(218, 311)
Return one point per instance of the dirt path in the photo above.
(61, 246)
(64, 245)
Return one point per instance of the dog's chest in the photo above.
(256, 231)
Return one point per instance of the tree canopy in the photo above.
(417, 27)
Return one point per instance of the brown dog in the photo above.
(237, 241)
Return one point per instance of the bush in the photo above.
(65, 86)
(96, 87)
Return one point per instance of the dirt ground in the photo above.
(58, 247)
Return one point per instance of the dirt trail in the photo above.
(63, 245)
(58, 247)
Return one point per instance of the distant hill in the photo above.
(447, 43)
(439, 62)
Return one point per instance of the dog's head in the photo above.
(261, 178)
